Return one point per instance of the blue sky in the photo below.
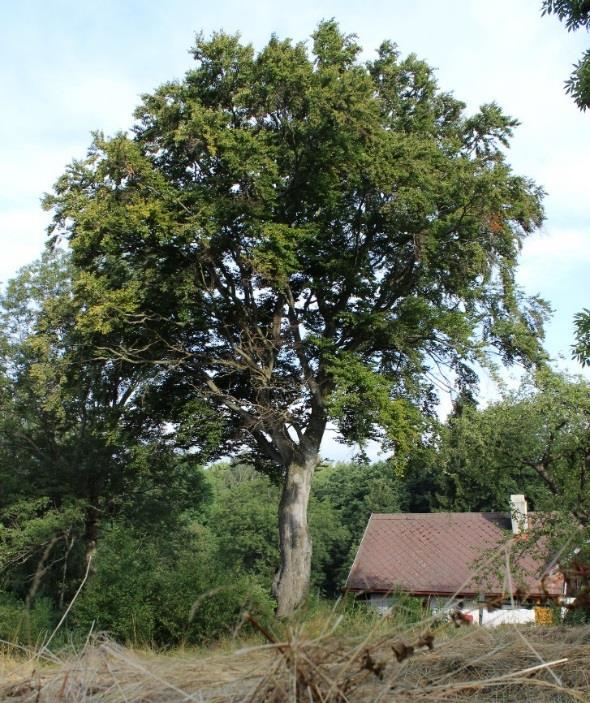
(69, 67)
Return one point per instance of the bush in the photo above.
(576, 616)
(25, 627)
(165, 590)
(244, 520)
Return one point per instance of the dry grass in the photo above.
(321, 665)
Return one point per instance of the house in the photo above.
(456, 562)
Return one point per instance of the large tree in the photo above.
(295, 237)
(79, 444)
(536, 441)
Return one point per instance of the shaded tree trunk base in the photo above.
(291, 584)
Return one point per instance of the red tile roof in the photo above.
(435, 553)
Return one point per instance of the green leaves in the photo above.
(275, 256)
(80, 438)
(578, 84)
(581, 350)
(576, 15)
(364, 405)
(489, 130)
(296, 236)
(332, 48)
(535, 441)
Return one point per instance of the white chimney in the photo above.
(518, 513)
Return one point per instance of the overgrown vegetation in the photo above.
(331, 657)
(96, 487)
(289, 239)
(293, 237)
(187, 579)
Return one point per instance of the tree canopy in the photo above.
(77, 446)
(293, 237)
(536, 441)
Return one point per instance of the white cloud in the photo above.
(555, 264)
(571, 245)
(564, 175)
(98, 101)
(22, 237)
(28, 170)
(555, 255)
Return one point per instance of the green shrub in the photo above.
(576, 616)
(244, 520)
(25, 627)
(350, 616)
(165, 590)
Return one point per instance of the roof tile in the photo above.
(428, 553)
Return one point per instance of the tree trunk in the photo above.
(291, 583)
(40, 572)
(90, 532)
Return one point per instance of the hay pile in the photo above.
(507, 664)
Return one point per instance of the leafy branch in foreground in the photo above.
(581, 349)
(576, 15)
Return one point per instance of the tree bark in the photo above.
(39, 572)
(291, 583)
(90, 532)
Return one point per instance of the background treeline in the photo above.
(107, 483)
(184, 574)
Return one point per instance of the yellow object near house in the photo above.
(543, 616)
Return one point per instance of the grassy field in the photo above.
(320, 658)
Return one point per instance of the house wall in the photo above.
(381, 603)
(444, 606)
(507, 616)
